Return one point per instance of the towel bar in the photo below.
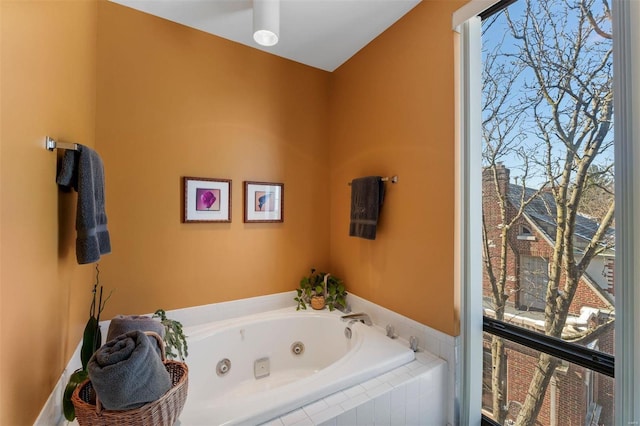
(51, 144)
(393, 179)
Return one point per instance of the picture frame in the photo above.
(206, 200)
(263, 202)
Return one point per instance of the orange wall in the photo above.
(160, 101)
(48, 88)
(173, 102)
(392, 113)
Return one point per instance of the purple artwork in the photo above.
(207, 199)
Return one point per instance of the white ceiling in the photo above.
(320, 33)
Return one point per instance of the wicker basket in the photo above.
(164, 411)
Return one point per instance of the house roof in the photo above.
(542, 212)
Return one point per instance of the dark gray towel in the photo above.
(121, 324)
(83, 170)
(367, 195)
(127, 373)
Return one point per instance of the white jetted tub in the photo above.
(251, 369)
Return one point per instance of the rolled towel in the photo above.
(127, 373)
(121, 324)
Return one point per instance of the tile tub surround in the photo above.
(408, 395)
(429, 340)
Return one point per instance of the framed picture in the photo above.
(206, 200)
(263, 202)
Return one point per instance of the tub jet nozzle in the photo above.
(297, 348)
(223, 367)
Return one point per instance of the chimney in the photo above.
(502, 173)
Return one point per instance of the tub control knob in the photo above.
(391, 331)
(347, 332)
(413, 343)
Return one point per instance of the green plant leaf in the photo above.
(174, 337)
(90, 342)
(75, 379)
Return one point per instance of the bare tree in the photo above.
(598, 193)
(503, 136)
(555, 85)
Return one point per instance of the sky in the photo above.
(496, 34)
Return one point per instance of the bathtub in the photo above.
(299, 357)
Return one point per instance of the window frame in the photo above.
(626, 51)
(626, 42)
(583, 356)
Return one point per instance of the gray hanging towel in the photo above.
(367, 195)
(83, 171)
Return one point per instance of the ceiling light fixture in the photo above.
(266, 22)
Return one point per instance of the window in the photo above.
(486, 380)
(626, 33)
(487, 365)
(547, 171)
(526, 234)
(575, 394)
(533, 282)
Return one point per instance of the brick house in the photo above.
(575, 396)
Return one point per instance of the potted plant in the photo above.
(91, 341)
(319, 289)
(174, 338)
